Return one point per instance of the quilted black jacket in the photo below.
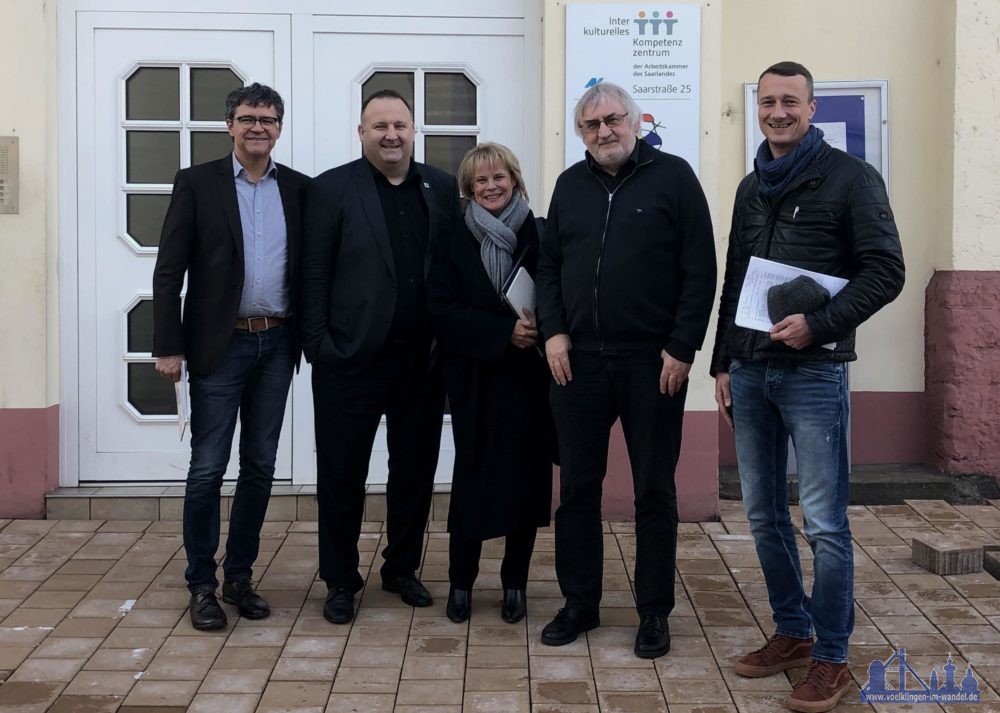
(835, 219)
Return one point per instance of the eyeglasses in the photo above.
(248, 122)
(611, 121)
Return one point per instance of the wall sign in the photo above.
(854, 117)
(654, 52)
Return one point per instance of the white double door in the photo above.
(130, 140)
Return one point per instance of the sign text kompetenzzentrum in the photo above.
(652, 51)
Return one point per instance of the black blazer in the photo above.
(348, 276)
(202, 235)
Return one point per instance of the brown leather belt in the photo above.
(258, 324)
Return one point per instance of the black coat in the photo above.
(633, 268)
(498, 394)
(203, 236)
(833, 218)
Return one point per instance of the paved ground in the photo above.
(92, 618)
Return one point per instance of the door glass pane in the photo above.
(209, 145)
(152, 156)
(153, 93)
(446, 152)
(449, 99)
(145, 218)
(140, 327)
(209, 88)
(402, 82)
(148, 392)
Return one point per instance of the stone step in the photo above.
(157, 502)
(889, 485)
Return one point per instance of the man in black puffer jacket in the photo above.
(814, 207)
(626, 281)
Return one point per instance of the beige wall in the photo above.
(909, 43)
(976, 215)
(28, 299)
(943, 114)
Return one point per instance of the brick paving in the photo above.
(93, 618)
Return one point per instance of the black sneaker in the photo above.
(569, 623)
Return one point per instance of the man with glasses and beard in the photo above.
(626, 280)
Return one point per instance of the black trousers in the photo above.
(605, 388)
(348, 409)
(464, 553)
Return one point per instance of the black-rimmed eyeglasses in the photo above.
(248, 122)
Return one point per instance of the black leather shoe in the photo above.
(653, 638)
(206, 614)
(514, 606)
(409, 588)
(339, 607)
(459, 605)
(569, 623)
(240, 593)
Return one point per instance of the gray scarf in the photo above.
(497, 236)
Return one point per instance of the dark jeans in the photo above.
(464, 553)
(605, 388)
(348, 410)
(252, 380)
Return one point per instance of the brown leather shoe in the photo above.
(780, 653)
(819, 691)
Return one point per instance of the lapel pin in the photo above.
(426, 184)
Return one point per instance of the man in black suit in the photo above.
(370, 229)
(233, 226)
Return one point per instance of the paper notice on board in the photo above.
(762, 275)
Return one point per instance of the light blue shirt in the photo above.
(265, 244)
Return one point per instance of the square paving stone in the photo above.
(162, 693)
(945, 555)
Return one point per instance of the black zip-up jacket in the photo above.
(632, 268)
(834, 218)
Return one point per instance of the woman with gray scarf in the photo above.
(497, 382)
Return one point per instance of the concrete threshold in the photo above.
(890, 484)
(166, 502)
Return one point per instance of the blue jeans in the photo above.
(252, 380)
(773, 400)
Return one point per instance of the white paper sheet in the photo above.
(751, 312)
(180, 394)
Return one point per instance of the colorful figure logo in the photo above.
(650, 136)
(656, 23)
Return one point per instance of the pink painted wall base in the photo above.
(886, 427)
(962, 371)
(697, 475)
(29, 460)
